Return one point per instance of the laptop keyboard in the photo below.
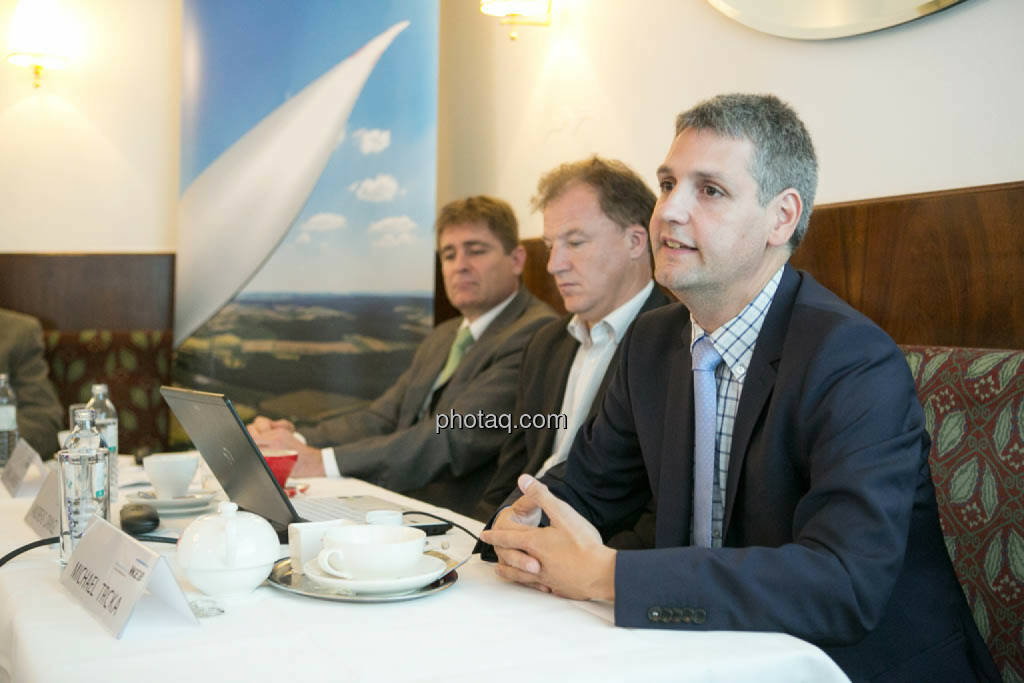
(327, 508)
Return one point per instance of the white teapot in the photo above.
(228, 553)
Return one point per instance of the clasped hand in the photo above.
(280, 435)
(566, 558)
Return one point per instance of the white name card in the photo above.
(109, 572)
(44, 515)
(23, 458)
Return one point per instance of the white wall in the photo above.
(89, 161)
(932, 104)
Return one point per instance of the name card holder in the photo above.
(23, 458)
(43, 516)
(108, 574)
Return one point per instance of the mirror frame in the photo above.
(758, 15)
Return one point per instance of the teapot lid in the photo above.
(227, 539)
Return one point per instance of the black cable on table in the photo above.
(442, 519)
(53, 539)
(28, 546)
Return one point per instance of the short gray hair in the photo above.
(783, 153)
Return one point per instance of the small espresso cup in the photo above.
(388, 517)
(171, 473)
(371, 551)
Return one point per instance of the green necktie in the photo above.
(462, 341)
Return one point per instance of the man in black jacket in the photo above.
(596, 213)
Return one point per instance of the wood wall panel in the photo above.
(84, 291)
(939, 268)
(943, 268)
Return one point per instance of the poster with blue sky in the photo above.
(305, 262)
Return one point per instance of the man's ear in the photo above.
(637, 239)
(785, 210)
(518, 259)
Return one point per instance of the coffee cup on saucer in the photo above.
(387, 517)
(371, 551)
(171, 473)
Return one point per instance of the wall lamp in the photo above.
(518, 12)
(38, 37)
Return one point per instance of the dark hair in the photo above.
(783, 153)
(496, 214)
(623, 196)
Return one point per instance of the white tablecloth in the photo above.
(481, 629)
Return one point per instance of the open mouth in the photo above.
(676, 245)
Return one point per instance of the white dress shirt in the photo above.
(597, 346)
(476, 328)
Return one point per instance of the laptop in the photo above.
(225, 444)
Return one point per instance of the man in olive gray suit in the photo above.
(465, 367)
(40, 414)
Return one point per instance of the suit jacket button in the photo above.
(654, 614)
(700, 615)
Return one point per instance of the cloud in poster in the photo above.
(372, 140)
(319, 223)
(324, 222)
(394, 231)
(382, 188)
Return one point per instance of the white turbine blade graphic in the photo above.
(236, 212)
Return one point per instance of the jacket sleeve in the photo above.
(40, 414)
(408, 458)
(513, 455)
(379, 417)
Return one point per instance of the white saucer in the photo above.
(192, 499)
(190, 510)
(426, 571)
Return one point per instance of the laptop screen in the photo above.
(216, 430)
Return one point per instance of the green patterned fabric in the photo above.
(973, 402)
(133, 363)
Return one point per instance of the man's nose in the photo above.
(558, 261)
(461, 261)
(675, 207)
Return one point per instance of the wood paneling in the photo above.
(536, 276)
(83, 291)
(943, 268)
(940, 268)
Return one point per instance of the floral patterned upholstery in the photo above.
(973, 402)
(132, 363)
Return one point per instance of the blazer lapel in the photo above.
(481, 349)
(561, 354)
(426, 371)
(757, 387)
(675, 473)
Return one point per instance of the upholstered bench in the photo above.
(973, 402)
(133, 363)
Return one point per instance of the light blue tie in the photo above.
(705, 409)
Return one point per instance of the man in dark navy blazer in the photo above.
(823, 522)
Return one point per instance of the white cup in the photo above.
(387, 517)
(371, 551)
(171, 473)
